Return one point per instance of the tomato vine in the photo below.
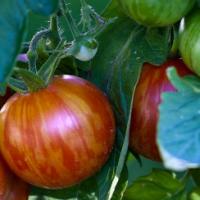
(124, 69)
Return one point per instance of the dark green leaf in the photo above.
(12, 23)
(44, 7)
(178, 127)
(13, 16)
(159, 185)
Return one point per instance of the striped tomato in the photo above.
(59, 135)
(154, 13)
(153, 82)
(11, 187)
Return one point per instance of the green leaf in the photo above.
(12, 23)
(178, 127)
(44, 7)
(159, 185)
(13, 17)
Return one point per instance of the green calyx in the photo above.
(32, 81)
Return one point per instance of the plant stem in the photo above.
(69, 19)
(32, 53)
(54, 36)
(47, 70)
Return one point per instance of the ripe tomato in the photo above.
(156, 13)
(59, 135)
(190, 42)
(152, 83)
(11, 187)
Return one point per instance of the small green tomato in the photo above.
(84, 48)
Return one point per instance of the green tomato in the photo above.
(156, 13)
(83, 48)
(189, 42)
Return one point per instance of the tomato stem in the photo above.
(54, 36)
(32, 52)
(48, 68)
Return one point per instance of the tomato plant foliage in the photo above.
(122, 46)
(13, 21)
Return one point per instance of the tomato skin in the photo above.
(57, 136)
(189, 44)
(11, 187)
(152, 83)
(156, 13)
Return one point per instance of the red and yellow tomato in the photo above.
(11, 187)
(59, 135)
(152, 83)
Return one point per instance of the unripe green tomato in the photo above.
(189, 44)
(156, 13)
(84, 48)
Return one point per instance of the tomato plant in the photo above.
(152, 83)
(61, 128)
(101, 83)
(156, 13)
